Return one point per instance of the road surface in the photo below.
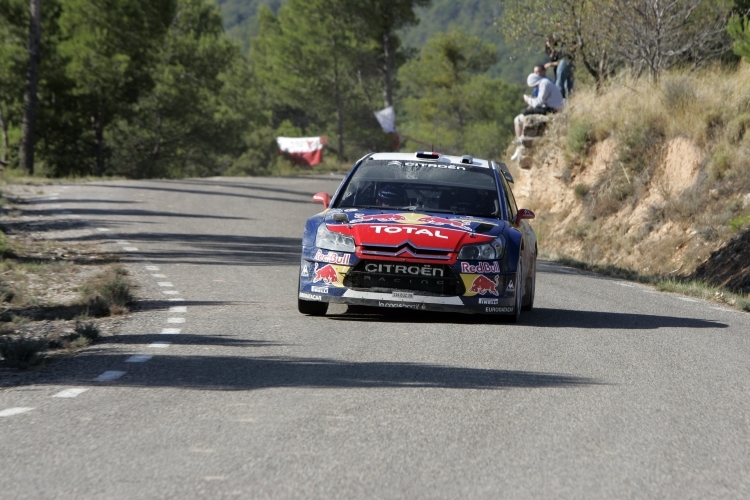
(216, 387)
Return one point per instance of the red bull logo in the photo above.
(327, 274)
(379, 218)
(482, 284)
(442, 221)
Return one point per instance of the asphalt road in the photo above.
(606, 390)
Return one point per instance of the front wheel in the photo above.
(519, 294)
(312, 308)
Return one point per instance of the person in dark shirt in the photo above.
(559, 60)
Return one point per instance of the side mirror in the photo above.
(323, 198)
(524, 213)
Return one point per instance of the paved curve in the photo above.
(607, 389)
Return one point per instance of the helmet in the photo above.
(392, 195)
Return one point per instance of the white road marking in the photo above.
(122, 242)
(139, 358)
(152, 268)
(102, 229)
(76, 216)
(624, 284)
(176, 299)
(130, 249)
(170, 331)
(70, 393)
(175, 320)
(178, 309)
(170, 292)
(159, 275)
(109, 375)
(723, 309)
(165, 284)
(687, 299)
(160, 345)
(14, 411)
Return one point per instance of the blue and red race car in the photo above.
(421, 231)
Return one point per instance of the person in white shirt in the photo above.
(548, 99)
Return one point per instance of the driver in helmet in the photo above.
(392, 195)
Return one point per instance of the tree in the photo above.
(586, 29)
(28, 126)
(109, 47)
(450, 102)
(659, 34)
(180, 126)
(13, 59)
(381, 20)
(308, 59)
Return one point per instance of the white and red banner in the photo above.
(303, 150)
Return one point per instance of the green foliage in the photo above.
(739, 29)
(580, 138)
(108, 293)
(449, 102)
(22, 352)
(87, 330)
(739, 222)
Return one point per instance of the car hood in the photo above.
(405, 231)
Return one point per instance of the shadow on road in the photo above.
(539, 317)
(187, 339)
(249, 373)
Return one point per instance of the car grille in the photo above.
(405, 249)
(387, 276)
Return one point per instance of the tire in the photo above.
(311, 308)
(515, 318)
(531, 287)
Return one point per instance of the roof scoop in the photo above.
(467, 159)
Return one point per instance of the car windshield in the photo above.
(429, 186)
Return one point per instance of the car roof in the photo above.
(456, 160)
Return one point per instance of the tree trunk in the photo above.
(28, 125)
(387, 71)
(4, 145)
(99, 141)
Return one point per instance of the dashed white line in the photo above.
(122, 242)
(102, 229)
(176, 299)
(14, 411)
(130, 249)
(170, 292)
(152, 268)
(175, 320)
(109, 375)
(178, 309)
(164, 284)
(160, 345)
(70, 393)
(687, 299)
(170, 331)
(159, 275)
(139, 358)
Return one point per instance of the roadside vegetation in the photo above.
(54, 297)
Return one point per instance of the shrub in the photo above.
(87, 330)
(108, 293)
(737, 223)
(580, 138)
(678, 93)
(581, 190)
(22, 352)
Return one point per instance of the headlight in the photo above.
(329, 240)
(485, 251)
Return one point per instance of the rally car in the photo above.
(421, 231)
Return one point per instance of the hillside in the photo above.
(650, 179)
(477, 17)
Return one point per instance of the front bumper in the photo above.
(408, 300)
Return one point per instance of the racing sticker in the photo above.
(417, 219)
(489, 302)
(333, 257)
(498, 309)
(481, 267)
(479, 284)
(309, 296)
(329, 274)
(319, 289)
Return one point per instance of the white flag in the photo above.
(387, 119)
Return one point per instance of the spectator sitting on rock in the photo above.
(548, 100)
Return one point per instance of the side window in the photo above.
(510, 201)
